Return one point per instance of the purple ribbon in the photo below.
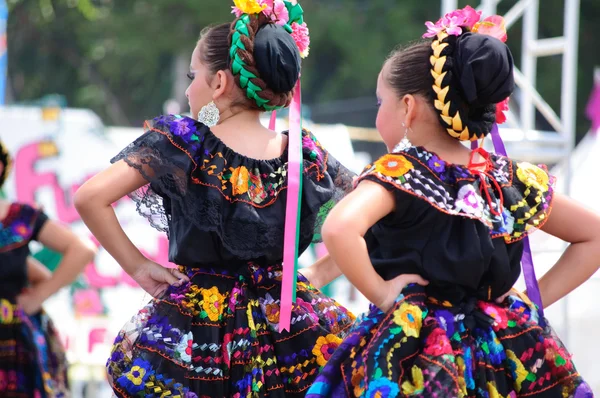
(531, 282)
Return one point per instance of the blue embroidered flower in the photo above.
(437, 164)
(382, 387)
(133, 381)
(184, 128)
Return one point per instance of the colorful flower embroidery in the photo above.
(382, 387)
(497, 313)
(184, 128)
(324, 348)
(358, 380)
(133, 380)
(393, 165)
(469, 201)
(184, 348)
(409, 317)
(239, 180)
(532, 176)
(437, 164)
(213, 303)
(308, 309)
(437, 343)
(6, 311)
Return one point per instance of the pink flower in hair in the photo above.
(453, 22)
(492, 26)
(300, 36)
(236, 11)
(277, 11)
(500, 108)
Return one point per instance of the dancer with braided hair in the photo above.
(221, 187)
(434, 233)
(32, 359)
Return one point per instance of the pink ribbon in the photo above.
(292, 212)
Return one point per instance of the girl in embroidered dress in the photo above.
(32, 359)
(433, 237)
(218, 187)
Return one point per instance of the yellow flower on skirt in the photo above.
(325, 347)
(239, 180)
(249, 6)
(532, 176)
(393, 165)
(213, 303)
(410, 317)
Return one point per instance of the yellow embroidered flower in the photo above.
(239, 180)
(358, 380)
(393, 165)
(417, 385)
(213, 303)
(6, 312)
(272, 312)
(136, 375)
(325, 347)
(249, 6)
(532, 176)
(410, 317)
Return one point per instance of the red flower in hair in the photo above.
(500, 108)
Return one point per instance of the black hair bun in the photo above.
(277, 58)
(483, 69)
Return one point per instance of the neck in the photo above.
(245, 117)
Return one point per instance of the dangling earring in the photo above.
(209, 114)
(404, 144)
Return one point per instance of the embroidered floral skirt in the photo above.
(218, 336)
(32, 359)
(426, 349)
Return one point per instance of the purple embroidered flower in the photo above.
(134, 380)
(308, 143)
(116, 356)
(184, 128)
(468, 200)
(20, 229)
(437, 164)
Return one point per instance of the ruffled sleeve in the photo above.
(167, 156)
(512, 199)
(326, 181)
(194, 179)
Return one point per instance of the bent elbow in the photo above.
(83, 199)
(334, 229)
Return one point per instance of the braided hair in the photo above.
(263, 56)
(463, 76)
(6, 162)
(462, 121)
(244, 65)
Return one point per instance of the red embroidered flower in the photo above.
(437, 343)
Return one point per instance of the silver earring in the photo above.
(404, 144)
(209, 114)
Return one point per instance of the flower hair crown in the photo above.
(456, 23)
(285, 13)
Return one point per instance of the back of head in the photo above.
(262, 48)
(464, 71)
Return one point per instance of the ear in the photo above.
(409, 107)
(221, 82)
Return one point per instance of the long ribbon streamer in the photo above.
(292, 212)
(531, 282)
